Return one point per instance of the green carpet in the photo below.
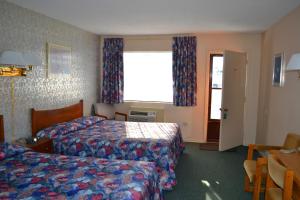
(209, 175)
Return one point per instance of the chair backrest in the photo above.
(292, 141)
(105, 109)
(276, 171)
(121, 116)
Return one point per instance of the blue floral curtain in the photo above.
(184, 71)
(113, 81)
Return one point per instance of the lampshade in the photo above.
(32, 59)
(294, 62)
(12, 58)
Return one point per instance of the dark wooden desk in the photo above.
(44, 145)
(291, 161)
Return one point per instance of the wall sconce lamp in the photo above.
(14, 63)
(294, 64)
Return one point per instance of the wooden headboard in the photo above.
(1, 129)
(41, 119)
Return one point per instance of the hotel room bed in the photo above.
(94, 136)
(27, 174)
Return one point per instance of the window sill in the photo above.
(148, 102)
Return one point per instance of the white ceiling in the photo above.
(126, 17)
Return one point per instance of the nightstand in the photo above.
(43, 145)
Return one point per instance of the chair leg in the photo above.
(288, 185)
(257, 186)
(267, 196)
(269, 184)
(247, 187)
(258, 177)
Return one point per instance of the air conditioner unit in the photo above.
(142, 116)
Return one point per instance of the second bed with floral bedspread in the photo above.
(30, 175)
(93, 136)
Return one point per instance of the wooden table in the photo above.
(43, 145)
(291, 161)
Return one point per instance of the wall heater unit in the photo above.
(142, 116)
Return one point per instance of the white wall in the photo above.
(279, 111)
(193, 120)
(249, 43)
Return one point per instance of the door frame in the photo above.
(207, 85)
(211, 56)
(210, 82)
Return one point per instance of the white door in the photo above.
(233, 98)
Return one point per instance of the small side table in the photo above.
(43, 145)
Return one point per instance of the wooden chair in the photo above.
(256, 171)
(108, 112)
(279, 185)
(118, 116)
(1, 129)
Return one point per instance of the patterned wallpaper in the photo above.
(27, 31)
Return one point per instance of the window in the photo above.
(148, 76)
(216, 79)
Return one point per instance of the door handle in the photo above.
(224, 112)
(223, 109)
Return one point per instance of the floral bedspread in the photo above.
(155, 142)
(30, 175)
